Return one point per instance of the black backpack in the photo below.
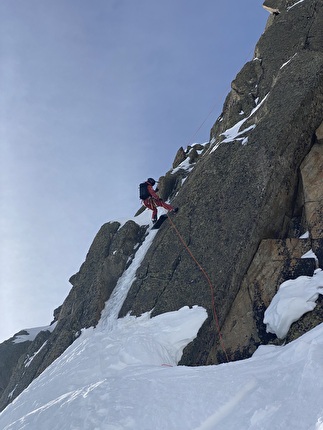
(143, 191)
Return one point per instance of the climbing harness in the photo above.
(215, 316)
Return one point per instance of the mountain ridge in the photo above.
(245, 198)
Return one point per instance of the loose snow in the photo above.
(124, 374)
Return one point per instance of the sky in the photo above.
(124, 374)
(96, 97)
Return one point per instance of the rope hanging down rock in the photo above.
(215, 316)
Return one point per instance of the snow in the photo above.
(287, 62)
(306, 235)
(127, 378)
(30, 359)
(311, 254)
(232, 133)
(294, 298)
(124, 374)
(186, 164)
(114, 304)
(235, 133)
(298, 2)
(31, 333)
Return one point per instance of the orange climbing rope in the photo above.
(190, 252)
(215, 316)
(201, 125)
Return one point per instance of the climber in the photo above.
(151, 199)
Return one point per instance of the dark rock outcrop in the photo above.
(10, 353)
(275, 261)
(245, 189)
(110, 254)
(245, 199)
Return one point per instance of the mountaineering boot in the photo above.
(174, 211)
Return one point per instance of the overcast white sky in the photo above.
(96, 96)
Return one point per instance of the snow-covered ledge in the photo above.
(294, 298)
(271, 10)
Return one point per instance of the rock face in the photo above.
(110, 254)
(10, 352)
(245, 199)
(245, 190)
(312, 177)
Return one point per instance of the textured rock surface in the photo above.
(244, 201)
(275, 261)
(110, 254)
(319, 133)
(25, 369)
(239, 195)
(10, 353)
(312, 178)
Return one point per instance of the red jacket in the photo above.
(152, 192)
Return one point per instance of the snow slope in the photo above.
(124, 375)
(127, 379)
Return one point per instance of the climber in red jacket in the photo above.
(154, 201)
